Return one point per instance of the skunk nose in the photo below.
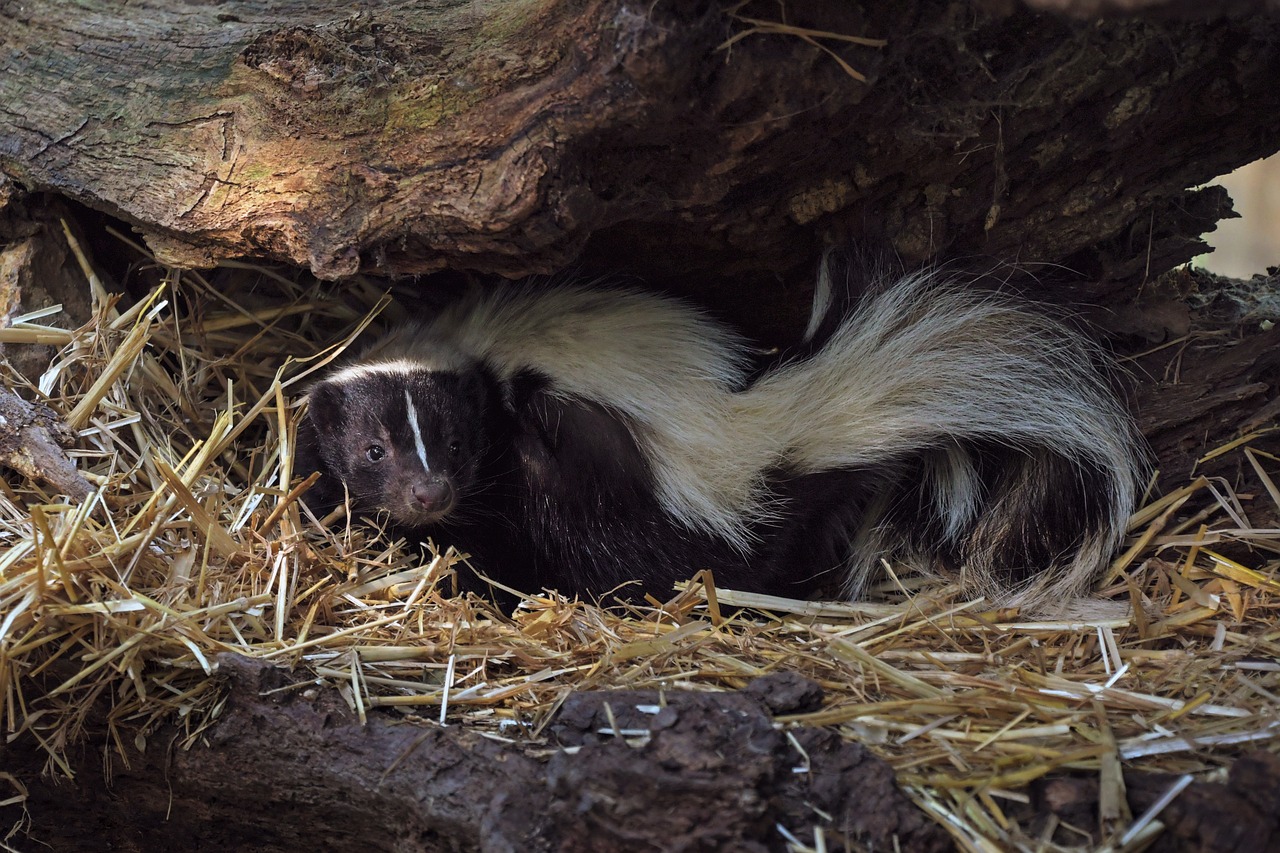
(434, 495)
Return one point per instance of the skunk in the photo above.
(580, 438)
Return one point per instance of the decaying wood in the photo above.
(1242, 813)
(31, 442)
(712, 773)
(1205, 370)
(37, 270)
(515, 136)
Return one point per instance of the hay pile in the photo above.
(193, 543)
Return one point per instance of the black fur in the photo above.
(551, 490)
(551, 493)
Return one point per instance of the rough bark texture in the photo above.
(509, 136)
(1241, 814)
(31, 442)
(287, 770)
(1210, 373)
(293, 769)
(37, 270)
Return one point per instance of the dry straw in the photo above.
(194, 544)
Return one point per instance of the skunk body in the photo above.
(578, 439)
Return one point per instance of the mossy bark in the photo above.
(514, 136)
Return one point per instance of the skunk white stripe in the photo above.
(401, 366)
(417, 433)
(823, 298)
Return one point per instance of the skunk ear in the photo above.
(326, 403)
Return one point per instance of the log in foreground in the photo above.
(626, 771)
(288, 767)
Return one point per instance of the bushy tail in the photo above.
(1009, 455)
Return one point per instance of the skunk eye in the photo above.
(454, 448)
(375, 453)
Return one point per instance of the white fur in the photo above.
(926, 362)
(417, 433)
(371, 364)
(823, 298)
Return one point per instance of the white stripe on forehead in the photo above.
(402, 366)
(417, 433)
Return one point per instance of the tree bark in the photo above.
(1208, 817)
(285, 769)
(518, 136)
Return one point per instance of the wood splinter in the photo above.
(32, 441)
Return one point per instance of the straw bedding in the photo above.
(192, 543)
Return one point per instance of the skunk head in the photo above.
(405, 441)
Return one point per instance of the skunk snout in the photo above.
(434, 496)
